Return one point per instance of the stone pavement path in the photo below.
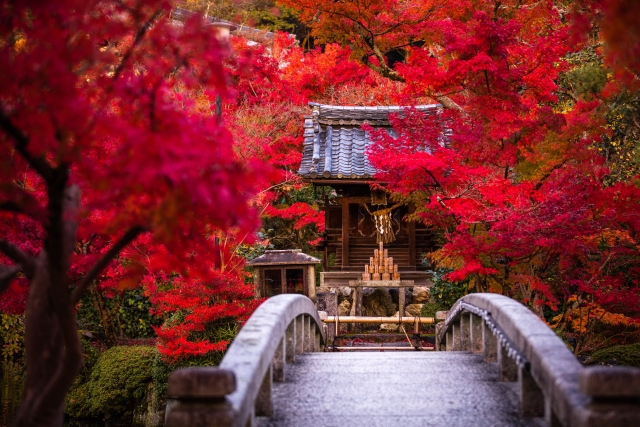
(388, 389)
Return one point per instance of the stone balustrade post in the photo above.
(441, 339)
(264, 405)
(506, 365)
(290, 342)
(307, 333)
(455, 331)
(300, 334)
(531, 396)
(550, 417)
(199, 398)
(279, 361)
(465, 332)
(476, 333)
(615, 396)
(329, 330)
(317, 346)
(489, 344)
(449, 340)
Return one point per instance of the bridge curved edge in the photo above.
(552, 365)
(574, 396)
(252, 351)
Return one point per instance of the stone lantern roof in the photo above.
(283, 257)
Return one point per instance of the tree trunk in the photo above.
(44, 349)
(52, 345)
(105, 317)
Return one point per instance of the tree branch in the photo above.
(103, 262)
(20, 201)
(567, 93)
(39, 163)
(448, 103)
(383, 69)
(435, 181)
(7, 274)
(19, 256)
(139, 35)
(9, 206)
(548, 174)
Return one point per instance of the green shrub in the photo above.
(130, 310)
(117, 384)
(429, 309)
(628, 355)
(11, 336)
(90, 354)
(446, 293)
(443, 294)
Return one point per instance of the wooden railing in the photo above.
(240, 388)
(551, 382)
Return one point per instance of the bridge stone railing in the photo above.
(232, 394)
(551, 382)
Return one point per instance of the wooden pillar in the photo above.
(311, 282)
(345, 231)
(401, 301)
(325, 259)
(411, 231)
(258, 289)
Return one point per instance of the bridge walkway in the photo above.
(388, 389)
(496, 361)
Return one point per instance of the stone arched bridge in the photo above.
(496, 364)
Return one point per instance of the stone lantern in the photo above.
(224, 28)
(284, 272)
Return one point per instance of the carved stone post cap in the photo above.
(201, 383)
(610, 382)
(441, 315)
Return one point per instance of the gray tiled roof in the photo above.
(334, 143)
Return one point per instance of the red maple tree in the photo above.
(273, 82)
(511, 176)
(514, 182)
(102, 142)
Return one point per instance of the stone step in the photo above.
(388, 389)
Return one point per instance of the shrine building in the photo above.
(359, 218)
